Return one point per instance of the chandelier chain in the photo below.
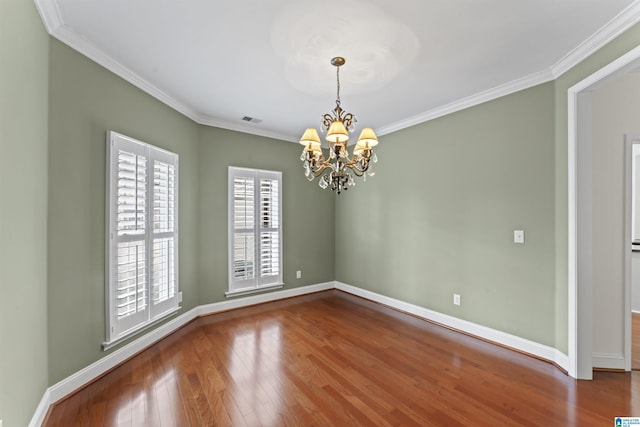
(338, 85)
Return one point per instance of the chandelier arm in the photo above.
(353, 165)
(359, 172)
(320, 168)
(327, 119)
(349, 120)
(313, 161)
(350, 163)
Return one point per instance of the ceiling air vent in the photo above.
(251, 119)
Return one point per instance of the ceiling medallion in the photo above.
(337, 171)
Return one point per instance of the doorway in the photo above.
(589, 323)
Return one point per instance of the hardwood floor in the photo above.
(334, 359)
(635, 344)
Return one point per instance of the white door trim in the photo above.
(631, 140)
(580, 312)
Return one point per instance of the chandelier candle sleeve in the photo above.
(337, 171)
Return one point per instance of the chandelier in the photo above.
(337, 171)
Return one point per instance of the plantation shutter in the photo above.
(254, 229)
(243, 273)
(141, 234)
(131, 224)
(269, 230)
(163, 267)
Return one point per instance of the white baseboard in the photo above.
(561, 360)
(41, 410)
(98, 368)
(231, 304)
(608, 361)
(110, 361)
(515, 342)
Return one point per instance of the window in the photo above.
(255, 231)
(142, 235)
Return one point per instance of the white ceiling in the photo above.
(407, 60)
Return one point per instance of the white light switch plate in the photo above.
(518, 236)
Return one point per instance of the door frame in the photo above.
(631, 140)
(579, 179)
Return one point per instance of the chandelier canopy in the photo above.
(337, 171)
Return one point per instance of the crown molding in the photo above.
(82, 45)
(50, 14)
(612, 29)
(470, 101)
(240, 127)
(52, 19)
(88, 49)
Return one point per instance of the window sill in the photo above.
(128, 334)
(248, 291)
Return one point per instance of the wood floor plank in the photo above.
(334, 359)
(183, 368)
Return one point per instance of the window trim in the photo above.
(257, 286)
(118, 330)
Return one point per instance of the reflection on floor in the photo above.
(332, 359)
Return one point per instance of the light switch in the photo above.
(518, 236)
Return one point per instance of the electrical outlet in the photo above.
(298, 276)
(456, 299)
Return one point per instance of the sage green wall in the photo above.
(438, 216)
(307, 211)
(23, 211)
(613, 50)
(86, 101)
(418, 231)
